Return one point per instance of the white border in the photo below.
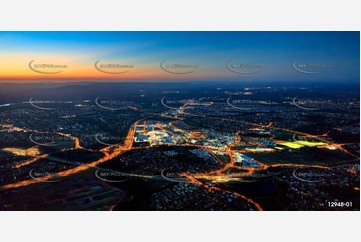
(252, 15)
(179, 15)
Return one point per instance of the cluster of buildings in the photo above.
(160, 133)
(185, 197)
(312, 189)
(153, 160)
(205, 155)
(245, 161)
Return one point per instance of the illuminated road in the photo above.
(339, 146)
(216, 176)
(115, 151)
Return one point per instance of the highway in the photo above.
(112, 151)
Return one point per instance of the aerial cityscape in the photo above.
(179, 121)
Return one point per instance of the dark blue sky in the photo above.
(337, 53)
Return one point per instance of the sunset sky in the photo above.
(275, 51)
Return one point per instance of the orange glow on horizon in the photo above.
(18, 68)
